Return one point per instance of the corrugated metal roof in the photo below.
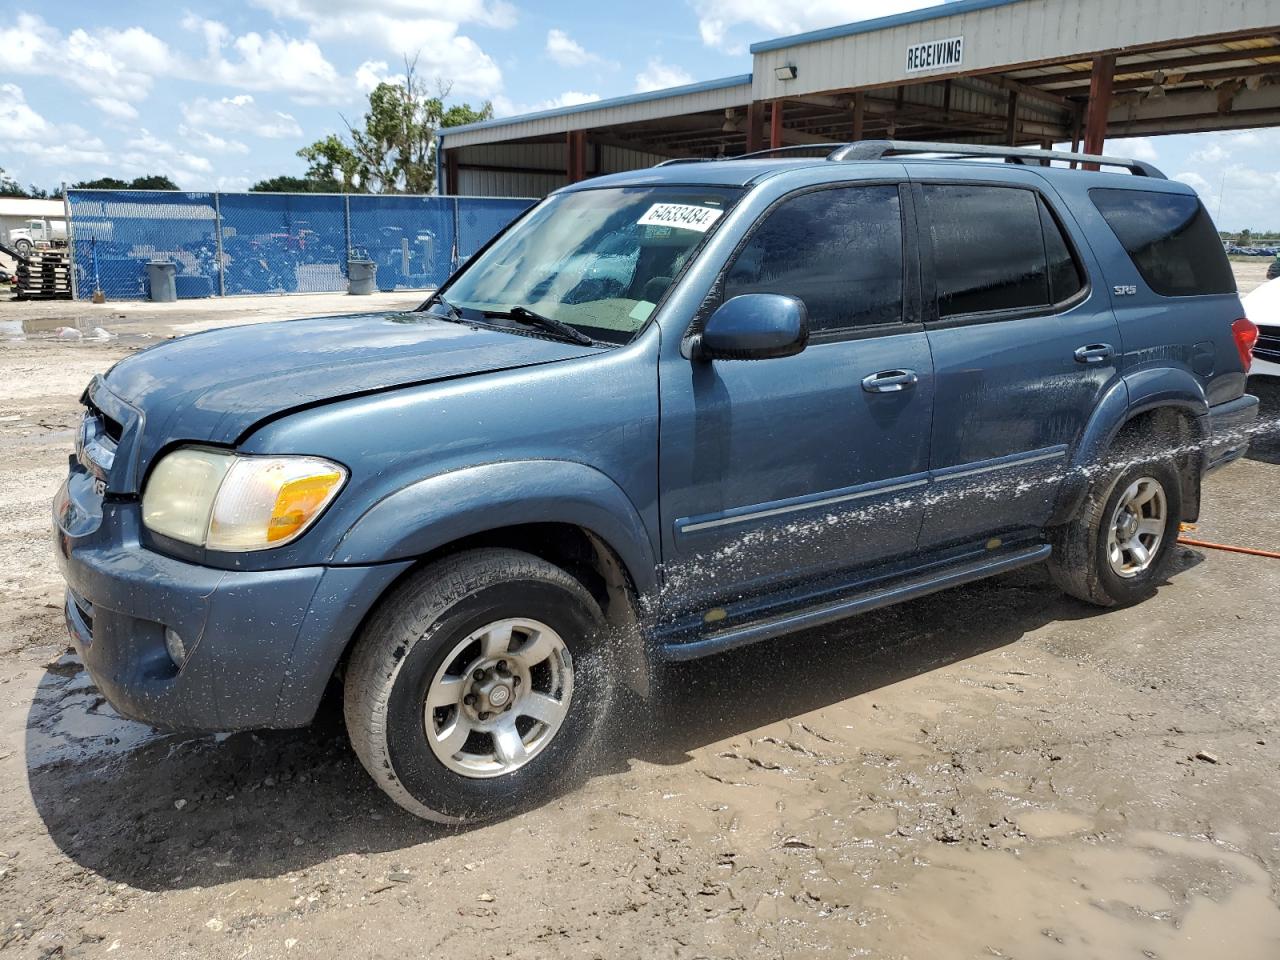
(613, 102)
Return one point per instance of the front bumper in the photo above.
(261, 645)
(1230, 430)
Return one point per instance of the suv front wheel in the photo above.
(1118, 548)
(478, 685)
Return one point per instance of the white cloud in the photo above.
(46, 145)
(211, 141)
(731, 24)
(254, 61)
(18, 120)
(504, 107)
(119, 64)
(658, 75)
(116, 109)
(1213, 153)
(1136, 148)
(149, 153)
(427, 30)
(567, 52)
(240, 114)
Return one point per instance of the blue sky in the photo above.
(221, 95)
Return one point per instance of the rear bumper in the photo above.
(261, 645)
(1230, 430)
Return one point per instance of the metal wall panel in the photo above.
(1022, 32)
(525, 163)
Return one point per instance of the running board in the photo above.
(847, 606)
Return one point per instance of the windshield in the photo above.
(598, 260)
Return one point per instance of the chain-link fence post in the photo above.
(71, 242)
(217, 237)
(457, 232)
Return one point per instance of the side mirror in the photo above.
(754, 326)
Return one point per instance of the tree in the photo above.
(287, 184)
(152, 181)
(393, 150)
(333, 164)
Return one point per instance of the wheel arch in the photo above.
(1164, 407)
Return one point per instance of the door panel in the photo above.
(779, 470)
(1016, 376)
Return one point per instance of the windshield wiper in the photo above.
(529, 318)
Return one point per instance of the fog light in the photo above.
(177, 649)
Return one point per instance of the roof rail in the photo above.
(879, 149)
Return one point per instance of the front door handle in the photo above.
(890, 381)
(1094, 353)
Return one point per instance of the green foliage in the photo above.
(393, 149)
(287, 184)
(154, 181)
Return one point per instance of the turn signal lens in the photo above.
(1245, 332)
(268, 501)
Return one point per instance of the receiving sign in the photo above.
(935, 55)
(682, 216)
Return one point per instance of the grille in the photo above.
(1268, 345)
(111, 428)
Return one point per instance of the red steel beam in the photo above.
(1095, 125)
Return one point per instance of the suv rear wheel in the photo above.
(1118, 548)
(478, 685)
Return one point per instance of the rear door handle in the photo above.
(890, 381)
(1094, 353)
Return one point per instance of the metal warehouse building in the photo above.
(1022, 72)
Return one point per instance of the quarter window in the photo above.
(838, 250)
(1066, 279)
(1170, 239)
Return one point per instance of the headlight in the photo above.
(223, 501)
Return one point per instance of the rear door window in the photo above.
(1170, 239)
(988, 248)
(839, 250)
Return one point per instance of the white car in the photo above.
(1262, 306)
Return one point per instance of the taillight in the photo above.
(1246, 333)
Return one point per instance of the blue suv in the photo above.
(664, 414)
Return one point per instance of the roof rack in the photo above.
(880, 149)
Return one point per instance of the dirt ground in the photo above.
(994, 771)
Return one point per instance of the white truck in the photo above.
(38, 232)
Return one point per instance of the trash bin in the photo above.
(160, 278)
(362, 276)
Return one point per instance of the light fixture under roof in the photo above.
(786, 71)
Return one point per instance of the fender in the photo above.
(1132, 394)
(438, 510)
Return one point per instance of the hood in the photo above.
(216, 386)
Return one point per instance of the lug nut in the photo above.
(469, 699)
(484, 714)
(478, 675)
(502, 667)
(515, 681)
(508, 708)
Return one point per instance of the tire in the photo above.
(23, 247)
(491, 610)
(1082, 560)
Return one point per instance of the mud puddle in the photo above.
(1146, 895)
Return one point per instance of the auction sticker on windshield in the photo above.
(683, 216)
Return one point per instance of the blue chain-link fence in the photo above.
(228, 244)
